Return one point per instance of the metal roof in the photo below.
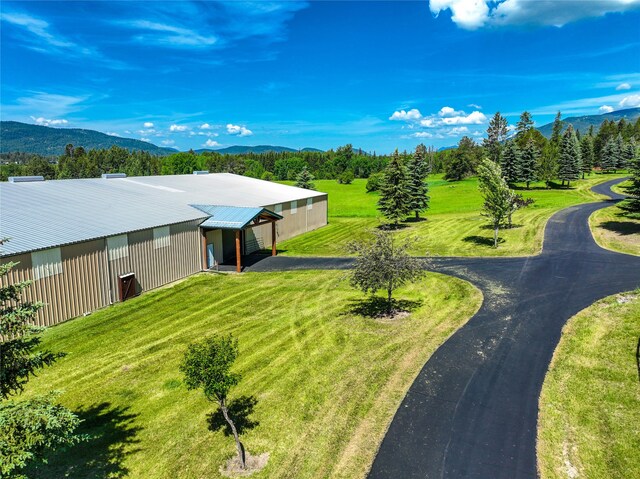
(46, 214)
(231, 217)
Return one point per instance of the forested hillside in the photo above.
(585, 122)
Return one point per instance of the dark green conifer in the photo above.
(569, 164)
(394, 202)
(418, 170)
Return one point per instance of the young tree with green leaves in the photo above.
(496, 135)
(463, 160)
(305, 180)
(31, 428)
(587, 155)
(569, 164)
(498, 198)
(510, 162)
(207, 365)
(394, 202)
(417, 172)
(529, 162)
(547, 169)
(381, 264)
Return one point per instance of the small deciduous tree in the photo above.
(381, 264)
(394, 201)
(417, 172)
(207, 365)
(304, 179)
(373, 182)
(346, 177)
(498, 201)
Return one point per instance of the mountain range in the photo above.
(48, 141)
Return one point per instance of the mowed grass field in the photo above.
(454, 225)
(589, 423)
(320, 383)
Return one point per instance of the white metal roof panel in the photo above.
(46, 214)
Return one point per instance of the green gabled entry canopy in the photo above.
(234, 217)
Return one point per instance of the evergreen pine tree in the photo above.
(548, 165)
(418, 170)
(305, 180)
(556, 132)
(510, 162)
(529, 162)
(587, 154)
(609, 156)
(525, 123)
(394, 202)
(621, 150)
(496, 134)
(632, 203)
(569, 161)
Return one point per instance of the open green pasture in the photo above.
(453, 227)
(320, 382)
(589, 423)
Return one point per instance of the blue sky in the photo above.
(379, 75)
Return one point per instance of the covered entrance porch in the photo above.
(231, 232)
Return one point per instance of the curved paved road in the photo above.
(472, 410)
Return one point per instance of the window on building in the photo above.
(294, 207)
(161, 237)
(46, 263)
(118, 247)
(277, 209)
(309, 203)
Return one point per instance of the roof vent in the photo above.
(108, 176)
(201, 172)
(25, 179)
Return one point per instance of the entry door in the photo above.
(211, 260)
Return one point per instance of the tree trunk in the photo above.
(495, 237)
(389, 299)
(239, 445)
(417, 215)
(510, 224)
(527, 185)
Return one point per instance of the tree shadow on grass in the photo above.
(413, 219)
(481, 240)
(392, 226)
(110, 430)
(505, 227)
(239, 410)
(377, 307)
(621, 227)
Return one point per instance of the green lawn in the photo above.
(321, 382)
(616, 231)
(589, 423)
(454, 225)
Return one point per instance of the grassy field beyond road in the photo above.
(589, 424)
(616, 232)
(454, 225)
(320, 383)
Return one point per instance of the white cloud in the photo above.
(238, 130)
(422, 134)
(630, 101)
(37, 27)
(111, 133)
(169, 35)
(428, 122)
(413, 114)
(473, 105)
(205, 126)
(145, 139)
(473, 118)
(178, 128)
(458, 130)
(147, 124)
(623, 86)
(168, 142)
(448, 111)
(474, 14)
(48, 122)
(605, 109)
(211, 143)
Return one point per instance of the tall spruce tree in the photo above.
(496, 135)
(632, 203)
(556, 131)
(525, 123)
(510, 162)
(394, 202)
(305, 180)
(587, 154)
(569, 161)
(609, 156)
(621, 149)
(529, 162)
(417, 171)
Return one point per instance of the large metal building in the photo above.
(88, 243)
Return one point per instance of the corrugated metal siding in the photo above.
(84, 284)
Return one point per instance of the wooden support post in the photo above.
(273, 238)
(204, 249)
(238, 256)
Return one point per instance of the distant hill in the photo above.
(239, 149)
(47, 141)
(583, 123)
